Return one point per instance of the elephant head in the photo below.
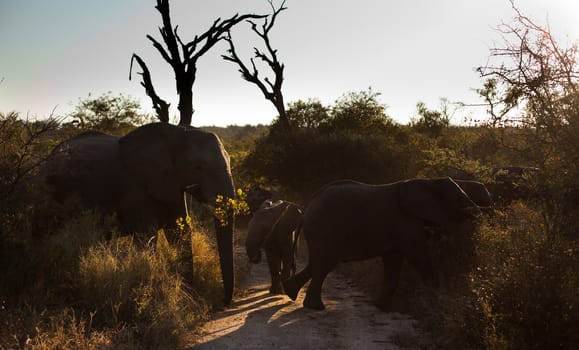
(476, 191)
(436, 201)
(165, 160)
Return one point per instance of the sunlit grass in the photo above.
(90, 292)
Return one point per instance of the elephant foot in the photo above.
(276, 289)
(291, 288)
(314, 303)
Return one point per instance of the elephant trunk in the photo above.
(224, 233)
(253, 247)
(225, 247)
(471, 212)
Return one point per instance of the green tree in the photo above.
(431, 121)
(352, 139)
(309, 114)
(108, 113)
(359, 111)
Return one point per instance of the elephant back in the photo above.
(86, 165)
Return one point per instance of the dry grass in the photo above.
(81, 291)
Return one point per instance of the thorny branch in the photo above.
(539, 72)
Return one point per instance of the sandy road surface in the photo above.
(260, 320)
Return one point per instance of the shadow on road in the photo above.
(260, 321)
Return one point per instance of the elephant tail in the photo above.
(296, 235)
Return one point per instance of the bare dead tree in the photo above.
(271, 90)
(183, 59)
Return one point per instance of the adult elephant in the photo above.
(142, 178)
(348, 220)
(272, 228)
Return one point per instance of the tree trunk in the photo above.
(185, 107)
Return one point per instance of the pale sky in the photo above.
(54, 52)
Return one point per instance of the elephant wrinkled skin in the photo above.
(348, 220)
(272, 228)
(142, 178)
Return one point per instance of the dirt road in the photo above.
(260, 320)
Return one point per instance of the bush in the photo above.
(521, 295)
(529, 280)
(62, 330)
(80, 290)
(353, 139)
(139, 288)
(109, 114)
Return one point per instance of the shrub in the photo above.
(61, 330)
(521, 295)
(80, 290)
(108, 113)
(139, 288)
(206, 269)
(353, 139)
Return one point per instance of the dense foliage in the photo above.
(354, 138)
(108, 113)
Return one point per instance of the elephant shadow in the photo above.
(268, 321)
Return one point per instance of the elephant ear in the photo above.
(148, 155)
(419, 199)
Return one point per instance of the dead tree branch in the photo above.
(272, 91)
(182, 57)
(160, 106)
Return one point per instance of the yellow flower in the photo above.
(225, 205)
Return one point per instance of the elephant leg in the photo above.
(293, 285)
(313, 298)
(274, 262)
(419, 257)
(392, 266)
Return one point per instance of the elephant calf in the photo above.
(272, 228)
(347, 220)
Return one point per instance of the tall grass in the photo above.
(78, 290)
